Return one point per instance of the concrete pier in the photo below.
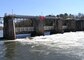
(60, 26)
(69, 25)
(9, 28)
(80, 25)
(40, 26)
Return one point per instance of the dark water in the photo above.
(18, 50)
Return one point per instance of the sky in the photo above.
(41, 7)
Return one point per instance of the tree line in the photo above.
(69, 16)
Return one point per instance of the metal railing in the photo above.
(48, 27)
(30, 29)
(20, 29)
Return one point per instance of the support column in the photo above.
(56, 25)
(73, 25)
(9, 28)
(60, 26)
(34, 25)
(40, 26)
(81, 25)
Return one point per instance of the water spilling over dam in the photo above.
(66, 46)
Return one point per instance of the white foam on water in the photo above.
(71, 42)
(62, 40)
(65, 39)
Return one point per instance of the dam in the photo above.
(37, 25)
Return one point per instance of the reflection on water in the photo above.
(9, 50)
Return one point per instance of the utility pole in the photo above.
(12, 11)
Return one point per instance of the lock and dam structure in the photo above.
(37, 25)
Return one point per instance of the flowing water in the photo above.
(67, 46)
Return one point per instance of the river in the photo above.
(67, 46)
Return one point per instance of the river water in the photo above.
(67, 46)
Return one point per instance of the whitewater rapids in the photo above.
(65, 39)
(68, 45)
